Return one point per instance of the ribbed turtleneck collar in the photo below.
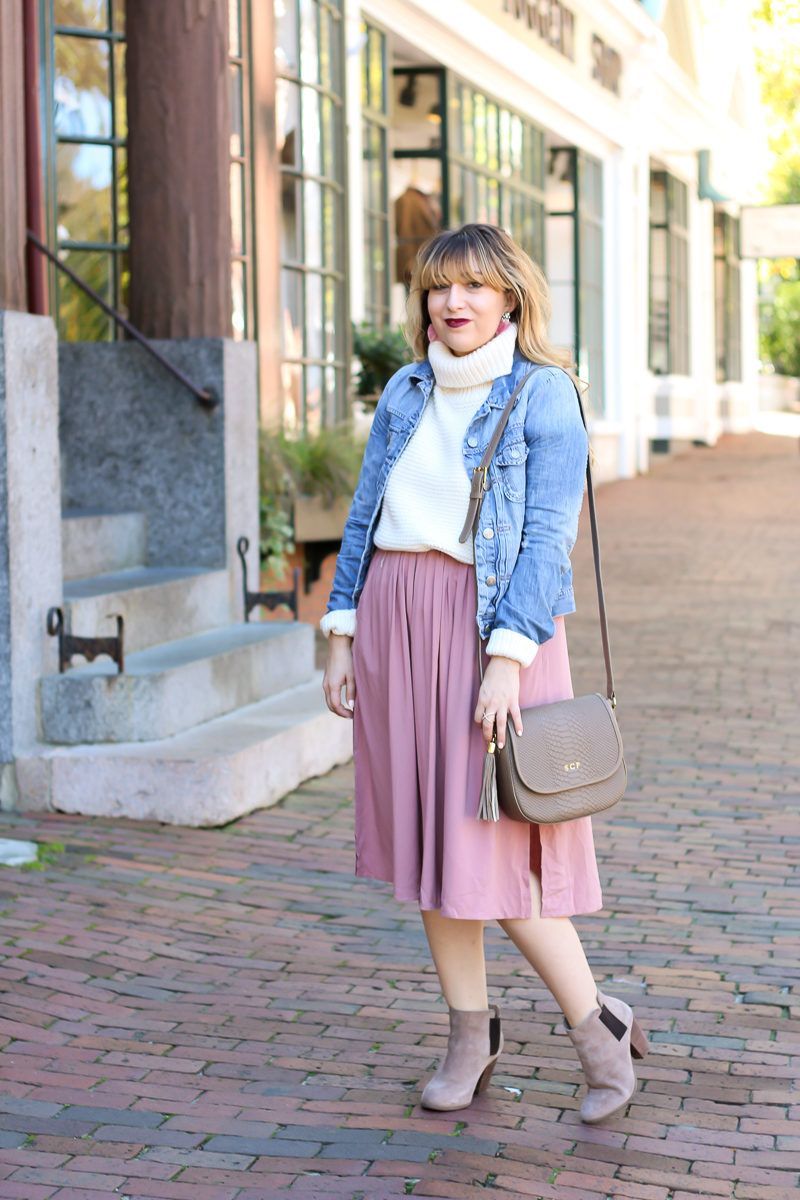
(489, 362)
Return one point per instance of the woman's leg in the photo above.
(553, 948)
(457, 951)
(603, 1030)
(475, 1037)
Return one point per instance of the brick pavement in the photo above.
(226, 1015)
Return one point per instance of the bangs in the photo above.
(461, 257)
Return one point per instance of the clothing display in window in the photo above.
(417, 216)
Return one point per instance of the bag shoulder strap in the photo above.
(480, 483)
(480, 486)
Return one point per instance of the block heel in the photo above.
(483, 1082)
(639, 1043)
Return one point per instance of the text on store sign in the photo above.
(550, 20)
(554, 23)
(606, 65)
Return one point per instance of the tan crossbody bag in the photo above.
(568, 762)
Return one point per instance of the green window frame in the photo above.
(727, 297)
(669, 339)
(84, 130)
(311, 147)
(375, 174)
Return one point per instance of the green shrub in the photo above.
(780, 330)
(380, 353)
(325, 465)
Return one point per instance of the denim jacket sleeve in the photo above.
(363, 510)
(554, 483)
(356, 529)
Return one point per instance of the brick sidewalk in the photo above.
(220, 1014)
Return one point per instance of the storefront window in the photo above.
(418, 183)
(575, 261)
(669, 275)
(242, 289)
(375, 128)
(727, 297)
(84, 132)
(561, 244)
(85, 129)
(310, 131)
(574, 249)
(459, 156)
(590, 277)
(496, 167)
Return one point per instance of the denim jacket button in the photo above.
(473, 441)
(490, 580)
(488, 533)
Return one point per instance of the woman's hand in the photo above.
(498, 699)
(339, 674)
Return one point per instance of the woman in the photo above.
(402, 648)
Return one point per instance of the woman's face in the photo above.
(466, 314)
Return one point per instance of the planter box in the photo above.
(314, 522)
(778, 393)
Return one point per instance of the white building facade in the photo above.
(616, 140)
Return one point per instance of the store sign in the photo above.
(770, 231)
(606, 65)
(550, 20)
(554, 24)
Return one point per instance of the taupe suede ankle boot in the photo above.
(475, 1041)
(605, 1042)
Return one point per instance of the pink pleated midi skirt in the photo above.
(419, 755)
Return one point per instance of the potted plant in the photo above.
(380, 352)
(306, 485)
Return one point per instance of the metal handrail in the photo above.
(207, 397)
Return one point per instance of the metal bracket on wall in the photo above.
(270, 600)
(316, 553)
(89, 647)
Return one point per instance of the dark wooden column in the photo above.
(13, 290)
(178, 166)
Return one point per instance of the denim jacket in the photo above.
(529, 519)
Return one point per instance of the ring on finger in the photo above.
(487, 716)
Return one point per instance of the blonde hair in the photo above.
(488, 255)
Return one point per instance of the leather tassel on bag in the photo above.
(488, 809)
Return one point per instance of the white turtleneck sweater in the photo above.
(427, 493)
(427, 496)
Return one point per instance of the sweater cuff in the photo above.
(507, 644)
(341, 621)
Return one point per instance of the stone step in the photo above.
(208, 775)
(168, 689)
(159, 604)
(96, 543)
